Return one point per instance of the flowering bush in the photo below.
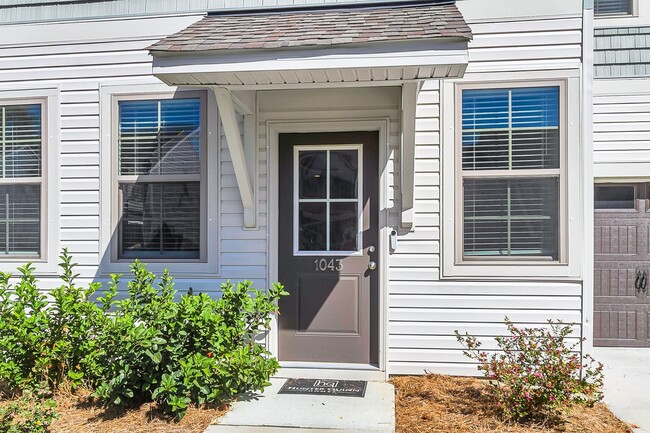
(536, 373)
(33, 412)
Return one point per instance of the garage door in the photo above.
(622, 266)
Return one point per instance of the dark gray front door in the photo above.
(328, 252)
(621, 266)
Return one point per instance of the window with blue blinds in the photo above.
(510, 153)
(613, 7)
(159, 177)
(21, 141)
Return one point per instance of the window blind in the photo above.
(159, 137)
(20, 219)
(20, 164)
(511, 217)
(21, 137)
(515, 211)
(161, 215)
(161, 220)
(613, 7)
(510, 129)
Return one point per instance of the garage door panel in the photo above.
(617, 239)
(614, 279)
(621, 240)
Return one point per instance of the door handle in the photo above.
(372, 265)
(637, 281)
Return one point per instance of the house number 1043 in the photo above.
(323, 265)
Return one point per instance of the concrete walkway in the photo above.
(271, 412)
(627, 384)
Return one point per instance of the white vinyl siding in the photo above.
(425, 307)
(622, 129)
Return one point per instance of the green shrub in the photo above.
(150, 346)
(536, 374)
(33, 412)
(45, 338)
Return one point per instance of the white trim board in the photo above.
(274, 129)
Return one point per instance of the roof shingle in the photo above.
(319, 27)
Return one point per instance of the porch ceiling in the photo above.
(381, 43)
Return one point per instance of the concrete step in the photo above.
(270, 412)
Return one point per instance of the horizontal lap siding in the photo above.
(425, 310)
(78, 68)
(622, 128)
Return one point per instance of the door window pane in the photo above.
(160, 220)
(343, 226)
(312, 227)
(614, 197)
(328, 199)
(344, 171)
(313, 174)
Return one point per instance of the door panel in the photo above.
(328, 234)
(622, 254)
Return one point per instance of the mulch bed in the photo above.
(79, 414)
(444, 404)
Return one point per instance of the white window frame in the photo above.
(570, 211)
(207, 264)
(297, 200)
(47, 261)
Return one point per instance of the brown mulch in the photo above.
(79, 414)
(445, 404)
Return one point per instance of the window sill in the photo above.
(524, 270)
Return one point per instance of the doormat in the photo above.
(343, 388)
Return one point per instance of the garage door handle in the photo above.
(641, 282)
(644, 282)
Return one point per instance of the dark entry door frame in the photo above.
(273, 131)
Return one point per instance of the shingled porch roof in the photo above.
(375, 43)
(320, 27)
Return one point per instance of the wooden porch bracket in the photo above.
(407, 152)
(241, 165)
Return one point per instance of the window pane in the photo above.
(536, 107)
(160, 220)
(20, 141)
(160, 137)
(485, 109)
(343, 172)
(511, 129)
(313, 174)
(486, 150)
(343, 226)
(312, 229)
(511, 217)
(536, 149)
(180, 136)
(20, 220)
(614, 197)
(613, 7)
